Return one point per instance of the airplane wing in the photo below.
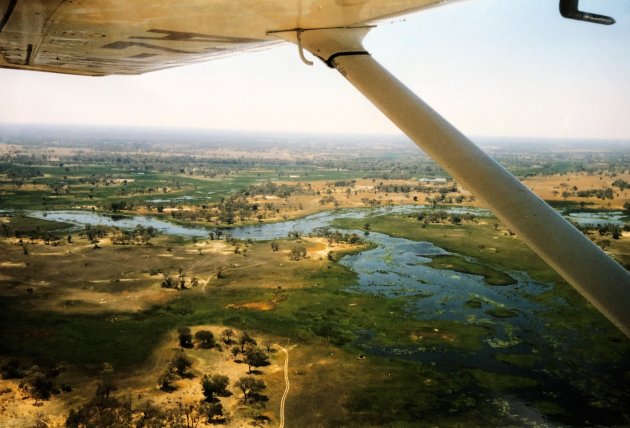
(102, 37)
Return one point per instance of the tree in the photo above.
(214, 386)
(205, 338)
(227, 335)
(185, 337)
(605, 243)
(250, 387)
(297, 252)
(168, 282)
(255, 357)
(268, 344)
(245, 339)
(214, 412)
(235, 351)
(165, 382)
(180, 364)
(41, 386)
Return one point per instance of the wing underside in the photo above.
(101, 37)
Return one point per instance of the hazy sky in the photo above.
(491, 67)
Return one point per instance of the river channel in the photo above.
(395, 267)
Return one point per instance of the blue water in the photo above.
(83, 218)
(594, 218)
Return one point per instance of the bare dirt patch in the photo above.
(13, 264)
(257, 306)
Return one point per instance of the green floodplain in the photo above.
(359, 358)
(576, 369)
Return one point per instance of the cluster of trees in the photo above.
(228, 211)
(213, 387)
(105, 410)
(606, 193)
(443, 198)
(49, 238)
(139, 235)
(251, 388)
(204, 338)
(94, 233)
(420, 188)
(180, 281)
(18, 174)
(279, 190)
(371, 202)
(441, 216)
(216, 386)
(335, 236)
(621, 184)
(343, 183)
(102, 410)
(329, 199)
(121, 206)
(40, 382)
(611, 230)
(247, 347)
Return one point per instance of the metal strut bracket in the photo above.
(298, 33)
(601, 280)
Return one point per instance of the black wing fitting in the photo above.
(569, 9)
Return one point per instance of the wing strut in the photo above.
(585, 266)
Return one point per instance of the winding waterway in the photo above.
(395, 267)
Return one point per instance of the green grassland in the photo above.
(87, 185)
(70, 185)
(459, 264)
